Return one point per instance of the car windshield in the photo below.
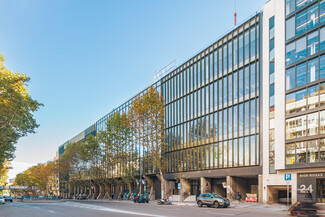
(216, 195)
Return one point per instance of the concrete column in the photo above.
(168, 190)
(231, 194)
(260, 189)
(205, 185)
(185, 189)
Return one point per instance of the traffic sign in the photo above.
(287, 177)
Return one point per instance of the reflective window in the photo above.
(230, 55)
(230, 89)
(290, 28)
(246, 46)
(230, 124)
(235, 160)
(216, 64)
(301, 49)
(290, 6)
(220, 62)
(220, 93)
(291, 53)
(312, 43)
(235, 121)
(301, 3)
(241, 50)
(313, 70)
(230, 153)
(312, 147)
(312, 124)
(247, 82)
(307, 19)
(296, 127)
(322, 39)
(247, 118)
(322, 67)
(253, 150)
(241, 83)
(322, 122)
(225, 154)
(247, 151)
(290, 153)
(322, 94)
(225, 59)
(313, 95)
(290, 103)
(253, 79)
(271, 90)
(301, 152)
(241, 152)
(253, 41)
(225, 91)
(235, 53)
(225, 124)
(241, 119)
(220, 155)
(235, 86)
(322, 149)
(322, 11)
(301, 74)
(290, 78)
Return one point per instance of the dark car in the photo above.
(212, 200)
(8, 198)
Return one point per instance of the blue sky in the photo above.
(87, 57)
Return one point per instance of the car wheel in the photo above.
(199, 203)
(216, 204)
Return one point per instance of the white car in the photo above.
(2, 200)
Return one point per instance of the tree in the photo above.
(4, 172)
(117, 148)
(16, 111)
(146, 118)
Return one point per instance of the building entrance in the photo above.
(320, 194)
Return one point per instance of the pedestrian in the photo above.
(239, 198)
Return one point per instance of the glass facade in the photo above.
(305, 81)
(211, 108)
(213, 122)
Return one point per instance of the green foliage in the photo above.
(16, 111)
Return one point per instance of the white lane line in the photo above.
(129, 212)
(51, 211)
(95, 207)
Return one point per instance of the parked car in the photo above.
(8, 198)
(2, 200)
(212, 200)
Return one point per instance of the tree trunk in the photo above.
(152, 189)
(163, 187)
(130, 191)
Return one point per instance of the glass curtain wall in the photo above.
(213, 111)
(305, 81)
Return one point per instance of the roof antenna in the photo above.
(235, 15)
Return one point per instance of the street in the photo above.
(127, 209)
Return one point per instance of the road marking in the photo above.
(51, 211)
(100, 208)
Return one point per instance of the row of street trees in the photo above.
(114, 157)
(16, 113)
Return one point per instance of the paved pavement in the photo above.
(129, 209)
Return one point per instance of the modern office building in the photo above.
(293, 99)
(246, 114)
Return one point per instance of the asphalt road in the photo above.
(127, 209)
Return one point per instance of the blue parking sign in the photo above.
(287, 177)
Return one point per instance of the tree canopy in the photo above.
(16, 111)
